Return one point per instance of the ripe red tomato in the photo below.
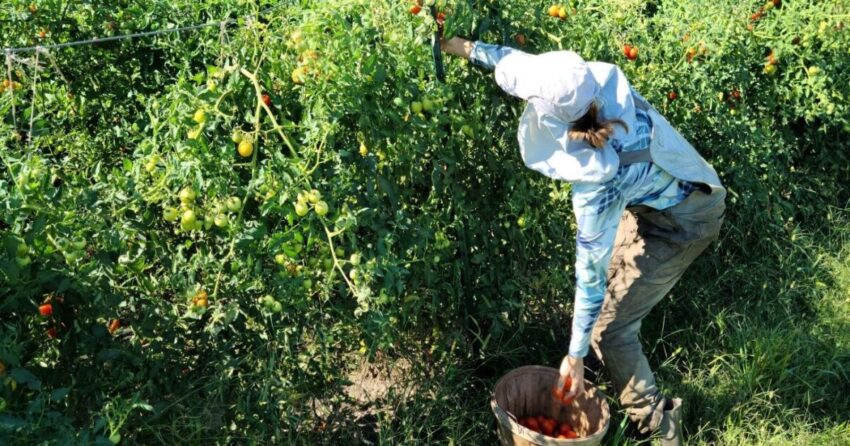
(565, 428)
(672, 96)
(520, 39)
(114, 325)
(415, 9)
(441, 18)
(45, 310)
(777, 3)
(633, 53)
(627, 49)
(533, 424)
(558, 393)
(51, 333)
(267, 100)
(548, 426)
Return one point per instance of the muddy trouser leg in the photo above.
(652, 250)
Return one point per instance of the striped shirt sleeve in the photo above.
(487, 55)
(598, 221)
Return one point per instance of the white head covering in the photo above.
(560, 88)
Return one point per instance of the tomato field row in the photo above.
(204, 232)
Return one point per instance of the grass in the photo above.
(766, 365)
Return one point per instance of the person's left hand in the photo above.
(572, 374)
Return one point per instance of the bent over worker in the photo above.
(646, 205)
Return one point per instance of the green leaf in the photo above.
(24, 376)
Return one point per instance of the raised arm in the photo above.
(483, 54)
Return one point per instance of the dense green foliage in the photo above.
(124, 197)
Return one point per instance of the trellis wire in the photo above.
(130, 36)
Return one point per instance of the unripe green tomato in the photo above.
(301, 209)
(233, 203)
(321, 209)
(150, 166)
(187, 195)
(307, 284)
(24, 261)
(354, 259)
(212, 86)
(314, 196)
(188, 218)
(399, 102)
(169, 214)
(340, 253)
(467, 130)
(209, 221)
(200, 116)
(22, 249)
(328, 263)
(352, 274)
(428, 105)
(221, 220)
(280, 259)
(277, 307)
(236, 136)
(521, 221)
(813, 71)
(416, 107)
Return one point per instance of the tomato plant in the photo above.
(368, 209)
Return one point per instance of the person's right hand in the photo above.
(457, 46)
(571, 380)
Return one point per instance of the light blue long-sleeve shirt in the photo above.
(599, 206)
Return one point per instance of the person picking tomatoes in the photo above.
(646, 205)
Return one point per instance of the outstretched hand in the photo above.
(571, 380)
(456, 46)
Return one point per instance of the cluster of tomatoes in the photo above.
(307, 58)
(306, 198)
(200, 299)
(549, 427)
(770, 64)
(9, 85)
(631, 52)
(244, 141)
(692, 52)
(416, 8)
(762, 11)
(558, 12)
(46, 311)
(189, 219)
